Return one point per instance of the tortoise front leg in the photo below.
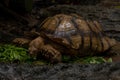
(51, 54)
(38, 46)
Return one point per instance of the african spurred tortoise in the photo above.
(70, 35)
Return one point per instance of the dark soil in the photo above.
(10, 29)
(106, 71)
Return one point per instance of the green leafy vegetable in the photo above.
(10, 53)
(85, 60)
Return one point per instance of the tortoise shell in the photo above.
(75, 32)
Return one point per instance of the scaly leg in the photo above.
(37, 46)
(51, 54)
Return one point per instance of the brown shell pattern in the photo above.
(76, 32)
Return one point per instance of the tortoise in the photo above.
(72, 35)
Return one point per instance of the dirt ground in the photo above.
(106, 71)
(11, 28)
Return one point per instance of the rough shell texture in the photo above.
(76, 33)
